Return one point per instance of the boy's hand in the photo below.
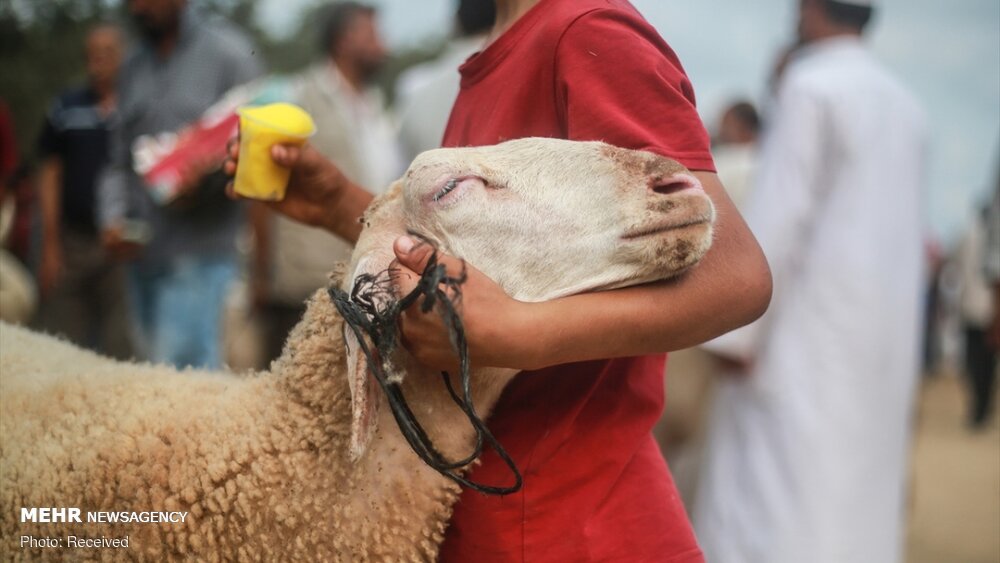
(497, 327)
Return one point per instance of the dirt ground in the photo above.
(955, 500)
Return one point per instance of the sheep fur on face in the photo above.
(261, 462)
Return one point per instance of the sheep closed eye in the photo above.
(455, 188)
(449, 186)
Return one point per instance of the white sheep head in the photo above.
(544, 218)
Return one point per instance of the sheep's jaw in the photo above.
(371, 312)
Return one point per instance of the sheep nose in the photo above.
(673, 184)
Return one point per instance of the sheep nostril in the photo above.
(670, 187)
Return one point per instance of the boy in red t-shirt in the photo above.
(595, 485)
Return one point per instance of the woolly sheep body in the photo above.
(261, 472)
(261, 462)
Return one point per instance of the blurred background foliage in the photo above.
(41, 50)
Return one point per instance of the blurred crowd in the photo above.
(202, 281)
(206, 281)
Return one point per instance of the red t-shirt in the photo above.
(595, 485)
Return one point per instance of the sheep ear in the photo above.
(364, 398)
(372, 255)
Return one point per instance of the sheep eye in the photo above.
(448, 187)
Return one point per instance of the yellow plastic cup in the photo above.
(261, 127)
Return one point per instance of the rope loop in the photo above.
(372, 312)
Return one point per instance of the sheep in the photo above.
(304, 462)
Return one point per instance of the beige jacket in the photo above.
(355, 133)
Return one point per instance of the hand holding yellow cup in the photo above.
(257, 175)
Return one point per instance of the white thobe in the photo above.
(736, 166)
(807, 454)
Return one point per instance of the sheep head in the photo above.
(544, 218)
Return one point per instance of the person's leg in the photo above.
(989, 386)
(980, 369)
(177, 307)
(66, 309)
(64, 312)
(218, 275)
(189, 312)
(98, 289)
(141, 286)
(112, 316)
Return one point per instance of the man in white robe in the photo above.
(808, 444)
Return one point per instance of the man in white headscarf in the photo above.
(808, 441)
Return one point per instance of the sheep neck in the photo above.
(311, 375)
(441, 418)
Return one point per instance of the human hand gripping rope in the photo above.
(371, 310)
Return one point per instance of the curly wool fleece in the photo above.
(258, 462)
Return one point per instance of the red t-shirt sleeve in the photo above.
(617, 81)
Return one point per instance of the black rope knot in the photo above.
(371, 310)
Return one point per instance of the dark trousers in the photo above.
(981, 371)
(89, 306)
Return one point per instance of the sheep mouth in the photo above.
(659, 228)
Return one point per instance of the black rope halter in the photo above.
(371, 310)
